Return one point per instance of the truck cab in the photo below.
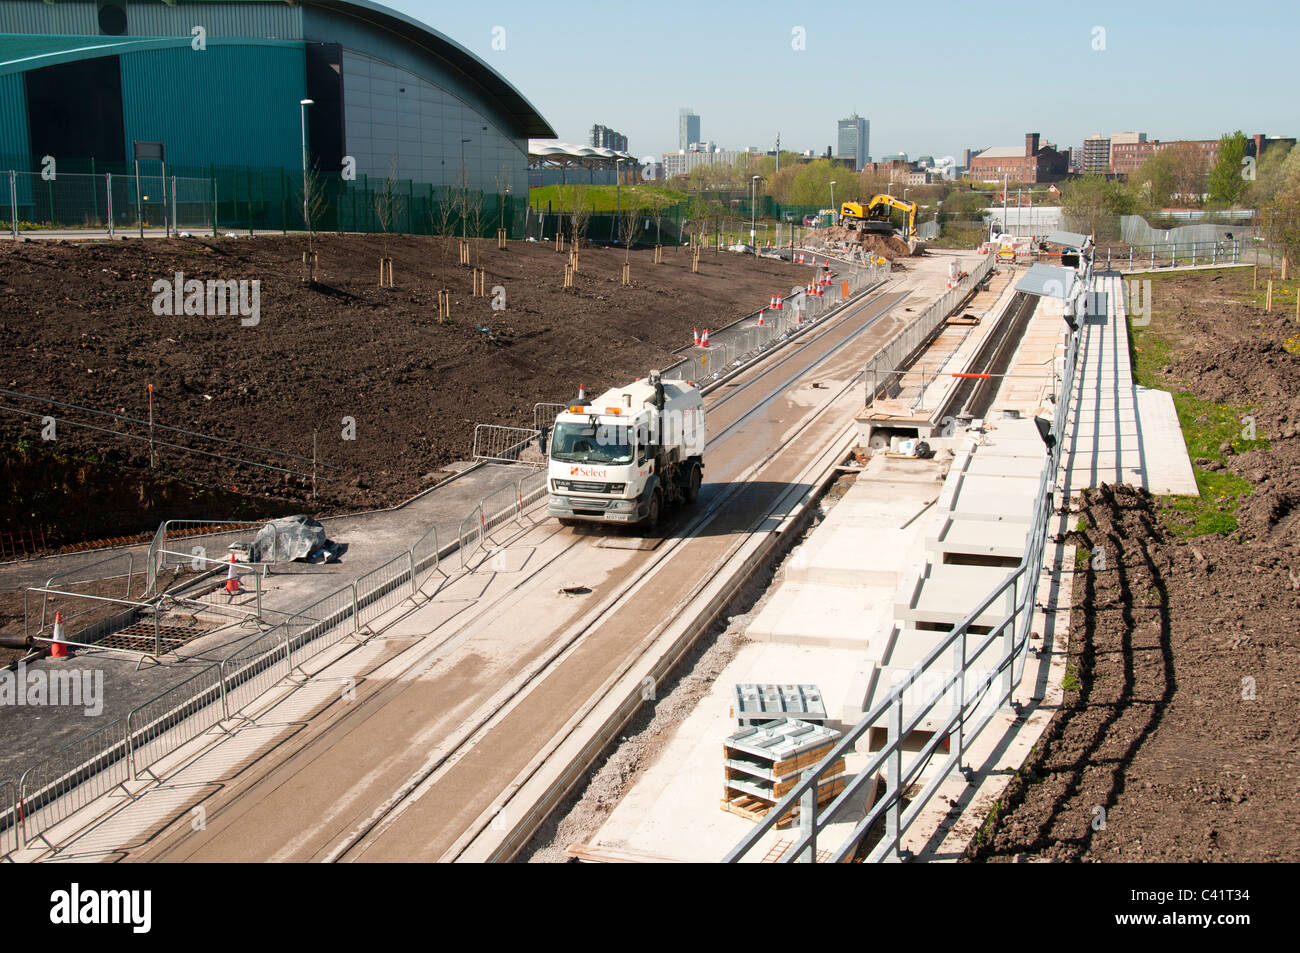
(627, 455)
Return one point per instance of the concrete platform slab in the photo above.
(989, 498)
(978, 537)
(803, 613)
(948, 593)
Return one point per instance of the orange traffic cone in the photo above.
(697, 337)
(760, 319)
(704, 341)
(58, 649)
(232, 580)
(771, 302)
(778, 302)
(582, 393)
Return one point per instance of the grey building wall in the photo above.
(393, 114)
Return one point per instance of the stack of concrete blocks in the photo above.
(975, 538)
(761, 764)
(763, 704)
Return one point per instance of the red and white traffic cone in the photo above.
(232, 580)
(58, 648)
(771, 302)
(778, 302)
(582, 392)
(697, 337)
(760, 318)
(704, 341)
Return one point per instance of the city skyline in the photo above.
(1108, 66)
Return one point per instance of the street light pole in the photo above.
(302, 108)
(833, 207)
(753, 212)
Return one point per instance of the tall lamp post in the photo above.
(753, 212)
(302, 108)
(833, 181)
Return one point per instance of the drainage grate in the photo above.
(139, 636)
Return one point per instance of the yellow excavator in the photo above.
(873, 216)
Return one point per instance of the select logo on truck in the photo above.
(586, 472)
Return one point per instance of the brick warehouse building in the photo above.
(1033, 163)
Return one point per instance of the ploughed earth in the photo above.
(1178, 739)
(387, 392)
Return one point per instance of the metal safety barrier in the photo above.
(54, 789)
(177, 716)
(9, 820)
(954, 676)
(502, 444)
(884, 364)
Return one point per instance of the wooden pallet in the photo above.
(752, 808)
(779, 769)
(779, 786)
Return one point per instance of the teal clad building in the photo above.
(219, 84)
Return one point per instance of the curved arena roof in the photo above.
(504, 96)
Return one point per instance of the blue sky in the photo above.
(946, 75)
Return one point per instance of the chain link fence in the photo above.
(221, 199)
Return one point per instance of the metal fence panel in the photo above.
(504, 444)
(322, 624)
(9, 822)
(54, 789)
(177, 716)
(383, 588)
(254, 668)
(470, 535)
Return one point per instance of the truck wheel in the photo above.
(656, 504)
(567, 522)
(693, 485)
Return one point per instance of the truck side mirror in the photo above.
(543, 438)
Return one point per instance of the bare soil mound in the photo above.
(1179, 740)
(77, 325)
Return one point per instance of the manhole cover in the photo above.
(139, 636)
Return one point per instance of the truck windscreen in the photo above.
(591, 443)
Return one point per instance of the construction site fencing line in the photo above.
(471, 529)
(732, 347)
(493, 442)
(544, 415)
(424, 551)
(8, 818)
(944, 678)
(177, 716)
(58, 786)
(384, 587)
(255, 668)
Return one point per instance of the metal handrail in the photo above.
(1013, 629)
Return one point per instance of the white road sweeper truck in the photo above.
(627, 455)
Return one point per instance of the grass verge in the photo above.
(1207, 429)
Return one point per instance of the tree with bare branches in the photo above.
(314, 203)
(388, 207)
